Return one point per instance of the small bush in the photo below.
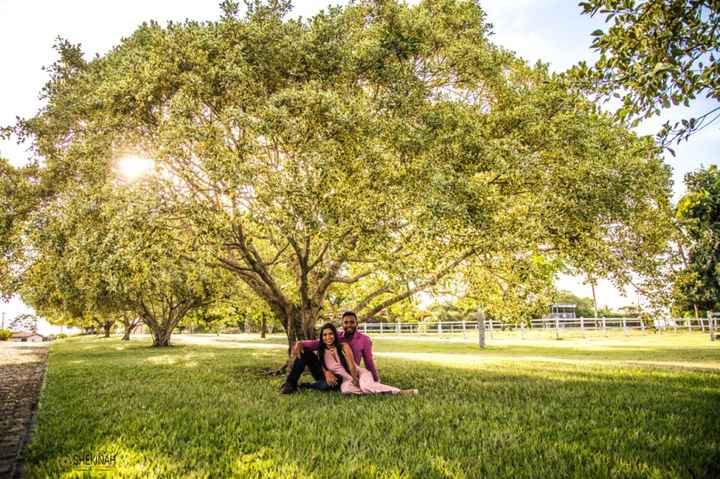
(5, 334)
(61, 336)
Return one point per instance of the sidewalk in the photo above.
(22, 368)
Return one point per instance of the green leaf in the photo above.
(661, 67)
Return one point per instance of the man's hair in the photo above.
(349, 313)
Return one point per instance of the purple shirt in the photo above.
(360, 344)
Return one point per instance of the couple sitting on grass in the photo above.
(337, 362)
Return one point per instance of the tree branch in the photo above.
(353, 279)
(426, 284)
(366, 300)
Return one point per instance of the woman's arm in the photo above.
(329, 375)
(350, 359)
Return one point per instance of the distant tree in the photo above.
(24, 322)
(656, 54)
(209, 318)
(510, 289)
(130, 321)
(584, 306)
(698, 213)
(105, 323)
(250, 310)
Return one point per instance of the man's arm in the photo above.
(368, 359)
(310, 344)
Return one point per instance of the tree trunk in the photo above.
(300, 326)
(263, 327)
(161, 336)
(130, 326)
(308, 324)
(162, 330)
(293, 329)
(107, 325)
(162, 325)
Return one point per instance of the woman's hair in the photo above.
(338, 346)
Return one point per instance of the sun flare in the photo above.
(133, 166)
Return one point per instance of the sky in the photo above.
(552, 31)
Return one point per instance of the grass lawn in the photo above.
(637, 407)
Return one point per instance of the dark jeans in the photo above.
(311, 360)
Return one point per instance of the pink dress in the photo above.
(368, 385)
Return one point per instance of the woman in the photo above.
(355, 380)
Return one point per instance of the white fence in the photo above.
(552, 326)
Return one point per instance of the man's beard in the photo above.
(348, 335)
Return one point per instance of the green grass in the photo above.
(643, 407)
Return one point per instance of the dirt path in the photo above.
(22, 368)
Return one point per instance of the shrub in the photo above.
(5, 334)
(61, 336)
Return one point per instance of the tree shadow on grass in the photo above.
(219, 419)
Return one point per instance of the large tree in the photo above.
(656, 54)
(376, 143)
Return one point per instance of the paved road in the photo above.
(22, 368)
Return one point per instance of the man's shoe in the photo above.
(287, 388)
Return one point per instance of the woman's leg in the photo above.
(368, 385)
(347, 387)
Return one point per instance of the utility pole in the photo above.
(592, 285)
(595, 309)
(3, 320)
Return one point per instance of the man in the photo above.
(303, 353)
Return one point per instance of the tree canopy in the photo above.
(101, 255)
(375, 144)
(656, 54)
(17, 199)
